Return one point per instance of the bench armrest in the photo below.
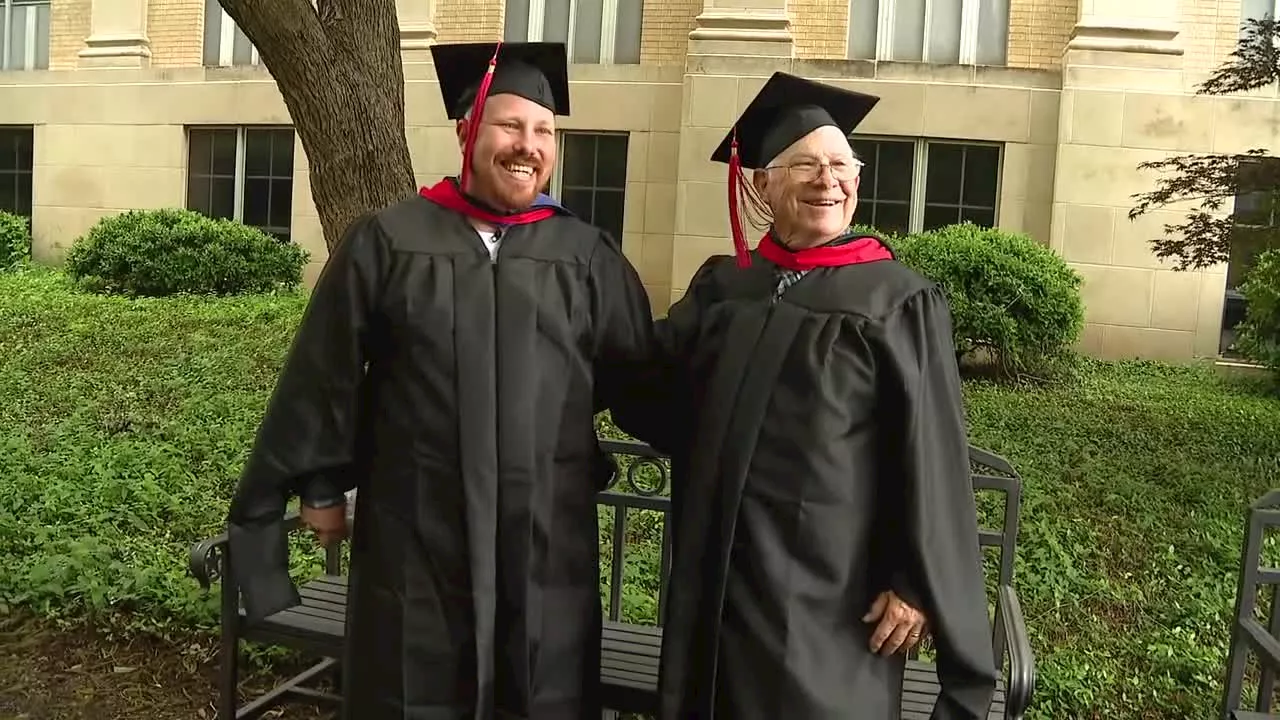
(1262, 641)
(1021, 681)
(205, 559)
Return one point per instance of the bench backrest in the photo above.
(643, 484)
(1254, 630)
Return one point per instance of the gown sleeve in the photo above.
(305, 441)
(623, 325)
(940, 556)
(660, 412)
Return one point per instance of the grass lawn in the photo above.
(123, 425)
(1138, 480)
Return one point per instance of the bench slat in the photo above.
(638, 647)
(629, 654)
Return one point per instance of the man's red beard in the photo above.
(502, 188)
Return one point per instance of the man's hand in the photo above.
(329, 524)
(900, 625)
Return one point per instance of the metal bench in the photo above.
(629, 652)
(1248, 634)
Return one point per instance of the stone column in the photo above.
(1133, 26)
(417, 29)
(1125, 101)
(117, 35)
(734, 47)
(742, 28)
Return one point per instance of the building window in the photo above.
(1255, 218)
(595, 31)
(591, 178)
(225, 44)
(966, 32)
(917, 185)
(24, 34)
(1257, 10)
(16, 170)
(243, 174)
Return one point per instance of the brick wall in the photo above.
(1210, 29)
(469, 20)
(820, 28)
(176, 30)
(68, 27)
(664, 33)
(1039, 30)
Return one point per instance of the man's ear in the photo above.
(461, 130)
(760, 180)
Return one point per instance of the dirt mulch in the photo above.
(52, 673)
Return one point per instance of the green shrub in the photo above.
(897, 243)
(123, 426)
(168, 252)
(1010, 296)
(15, 240)
(1260, 331)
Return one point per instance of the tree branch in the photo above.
(1207, 238)
(273, 25)
(1210, 179)
(1253, 64)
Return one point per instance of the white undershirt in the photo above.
(491, 241)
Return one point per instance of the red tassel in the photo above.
(735, 222)
(477, 108)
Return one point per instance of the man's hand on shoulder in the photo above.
(329, 523)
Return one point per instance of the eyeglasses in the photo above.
(808, 171)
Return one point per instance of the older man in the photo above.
(450, 364)
(814, 415)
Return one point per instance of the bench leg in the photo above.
(335, 676)
(228, 675)
(229, 656)
(293, 688)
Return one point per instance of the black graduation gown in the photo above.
(824, 460)
(474, 585)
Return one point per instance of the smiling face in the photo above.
(813, 202)
(514, 154)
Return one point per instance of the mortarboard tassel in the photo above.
(735, 223)
(477, 108)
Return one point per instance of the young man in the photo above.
(449, 366)
(824, 459)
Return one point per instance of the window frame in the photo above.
(19, 171)
(227, 29)
(1275, 13)
(32, 37)
(1243, 28)
(608, 26)
(920, 171)
(886, 13)
(555, 186)
(227, 44)
(242, 132)
(1272, 210)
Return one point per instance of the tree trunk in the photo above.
(338, 67)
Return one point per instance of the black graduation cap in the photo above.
(536, 71)
(786, 109)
